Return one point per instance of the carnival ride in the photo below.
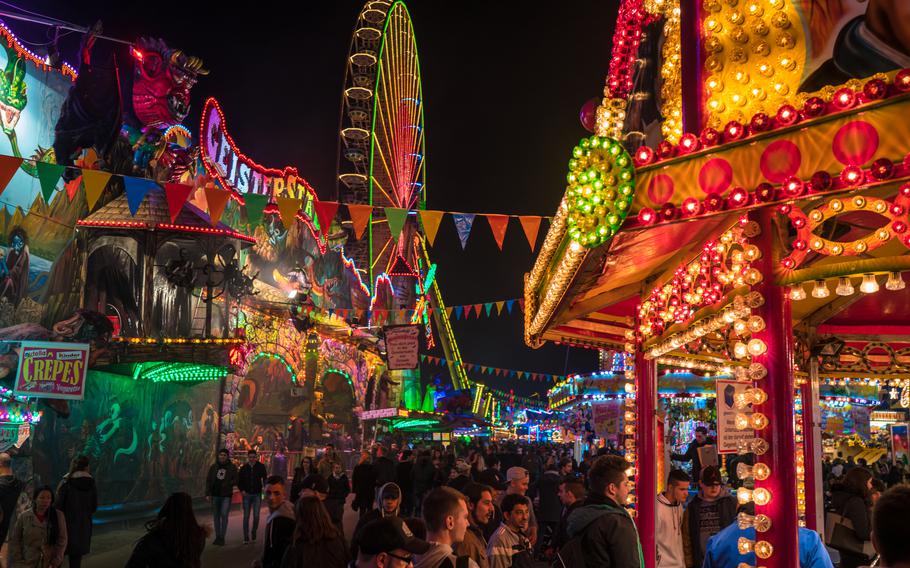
(382, 164)
(772, 167)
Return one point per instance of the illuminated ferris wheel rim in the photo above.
(382, 145)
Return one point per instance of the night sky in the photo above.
(503, 83)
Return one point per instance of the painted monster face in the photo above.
(18, 243)
(162, 81)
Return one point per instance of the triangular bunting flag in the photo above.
(72, 186)
(531, 226)
(488, 307)
(467, 311)
(136, 189)
(9, 165)
(423, 358)
(509, 304)
(176, 195)
(498, 224)
(395, 218)
(463, 224)
(287, 210)
(449, 312)
(521, 304)
(430, 221)
(477, 308)
(216, 199)
(458, 310)
(254, 205)
(442, 361)
(360, 218)
(325, 212)
(499, 305)
(49, 174)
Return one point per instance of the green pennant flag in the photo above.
(488, 307)
(396, 218)
(49, 175)
(254, 204)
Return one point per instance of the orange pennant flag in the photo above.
(94, 182)
(216, 199)
(531, 225)
(72, 186)
(430, 221)
(449, 312)
(477, 308)
(287, 210)
(498, 224)
(9, 165)
(499, 306)
(360, 217)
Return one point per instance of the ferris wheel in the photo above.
(381, 157)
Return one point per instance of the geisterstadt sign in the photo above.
(240, 174)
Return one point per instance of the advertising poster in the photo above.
(728, 437)
(49, 369)
(402, 343)
(900, 443)
(606, 418)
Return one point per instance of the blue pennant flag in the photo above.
(463, 223)
(136, 188)
(458, 310)
(509, 304)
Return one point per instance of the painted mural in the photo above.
(146, 440)
(854, 40)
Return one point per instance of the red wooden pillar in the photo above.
(645, 450)
(779, 408)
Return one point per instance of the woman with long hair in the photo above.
(305, 468)
(39, 538)
(853, 499)
(317, 541)
(174, 539)
(77, 497)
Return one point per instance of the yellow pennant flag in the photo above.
(287, 210)
(94, 182)
(430, 221)
(499, 306)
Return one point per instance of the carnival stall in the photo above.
(743, 202)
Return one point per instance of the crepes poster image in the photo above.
(52, 370)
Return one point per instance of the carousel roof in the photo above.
(153, 213)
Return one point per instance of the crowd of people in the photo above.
(497, 505)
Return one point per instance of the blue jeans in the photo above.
(221, 508)
(251, 502)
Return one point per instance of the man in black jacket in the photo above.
(279, 526)
(252, 475)
(608, 535)
(219, 487)
(692, 452)
(10, 488)
(363, 481)
(572, 496)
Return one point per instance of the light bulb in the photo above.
(743, 422)
(820, 290)
(750, 396)
(895, 282)
(759, 471)
(761, 523)
(763, 549)
(740, 350)
(869, 285)
(797, 292)
(740, 327)
(745, 545)
(761, 496)
(756, 446)
(757, 347)
(844, 286)
(756, 324)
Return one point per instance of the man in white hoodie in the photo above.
(446, 515)
(669, 521)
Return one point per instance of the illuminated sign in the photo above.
(48, 369)
(380, 413)
(238, 173)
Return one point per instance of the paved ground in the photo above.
(111, 548)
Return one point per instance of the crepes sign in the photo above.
(13, 435)
(49, 369)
